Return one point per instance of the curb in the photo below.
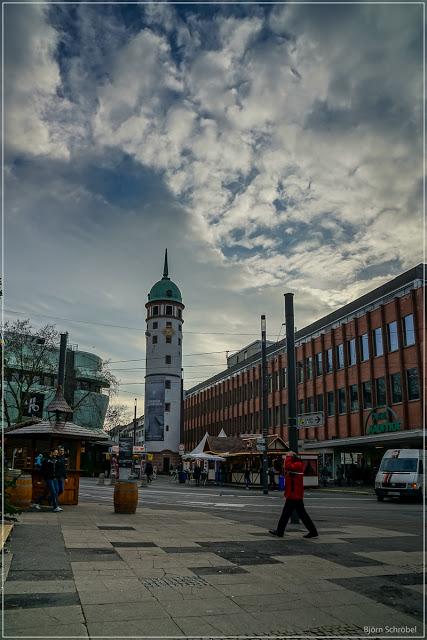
(363, 493)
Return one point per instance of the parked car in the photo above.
(401, 474)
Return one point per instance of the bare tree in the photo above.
(116, 414)
(29, 355)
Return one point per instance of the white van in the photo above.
(401, 474)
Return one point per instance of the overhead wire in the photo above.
(119, 326)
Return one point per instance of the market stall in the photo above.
(23, 444)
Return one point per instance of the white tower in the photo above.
(163, 378)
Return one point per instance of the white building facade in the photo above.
(163, 375)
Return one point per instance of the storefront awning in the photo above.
(415, 436)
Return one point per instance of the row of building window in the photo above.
(408, 334)
(168, 340)
(350, 400)
(48, 380)
(168, 309)
(168, 324)
(345, 401)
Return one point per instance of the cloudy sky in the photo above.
(270, 148)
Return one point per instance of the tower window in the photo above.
(168, 359)
(155, 310)
(168, 310)
(155, 325)
(179, 326)
(167, 384)
(167, 427)
(168, 323)
(154, 339)
(167, 406)
(179, 313)
(168, 339)
(179, 341)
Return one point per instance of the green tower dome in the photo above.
(165, 289)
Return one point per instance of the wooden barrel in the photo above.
(21, 494)
(125, 496)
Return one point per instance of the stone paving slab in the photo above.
(45, 630)
(36, 600)
(109, 596)
(147, 628)
(49, 616)
(145, 610)
(39, 586)
(374, 615)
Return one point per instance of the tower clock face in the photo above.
(168, 332)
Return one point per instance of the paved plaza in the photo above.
(88, 572)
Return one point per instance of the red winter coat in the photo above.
(294, 479)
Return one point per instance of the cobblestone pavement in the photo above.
(88, 572)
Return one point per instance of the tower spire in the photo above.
(165, 268)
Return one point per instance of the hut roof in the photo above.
(59, 403)
(64, 429)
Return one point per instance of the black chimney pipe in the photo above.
(62, 357)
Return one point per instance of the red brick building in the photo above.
(362, 366)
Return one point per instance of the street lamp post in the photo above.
(292, 389)
(264, 398)
(134, 423)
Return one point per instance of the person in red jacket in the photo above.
(294, 493)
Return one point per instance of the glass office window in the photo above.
(309, 367)
(352, 352)
(340, 356)
(329, 361)
(364, 347)
(381, 392)
(378, 341)
(342, 405)
(354, 397)
(300, 372)
(331, 403)
(367, 394)
(413, 384)
(310, 405)
(319, 402)
(408, 330)
(396, 387)
(393, 339)
(319, 364)
(284, 378)
(284, 414)
(300, 407)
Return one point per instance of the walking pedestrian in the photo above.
(271, 477)
(196, 475)
(49, 476)
(148, 471)
(294, 493)
(340, 475)
(247, 477)
(324, 473)
(60, 470)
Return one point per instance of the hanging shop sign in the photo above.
(383, 420)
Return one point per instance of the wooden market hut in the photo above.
(23, 444)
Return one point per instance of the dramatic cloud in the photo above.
(271, 148)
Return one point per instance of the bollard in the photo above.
(101, 479)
